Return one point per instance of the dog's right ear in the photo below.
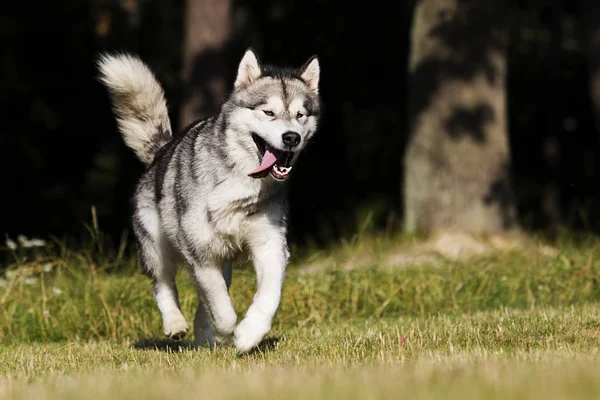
(248, 70)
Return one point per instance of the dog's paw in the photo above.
(224, 326)
(175, 327)
(249, 333)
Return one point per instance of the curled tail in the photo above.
(139, 104)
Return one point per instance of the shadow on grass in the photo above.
(174, 346)
(167, 345)
(266, 346)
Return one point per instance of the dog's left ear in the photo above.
(310, 72)
(248, 70)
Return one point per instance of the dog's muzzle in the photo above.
(274, 161)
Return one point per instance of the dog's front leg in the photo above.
(269, 253)
(203, 332)
(215, 305)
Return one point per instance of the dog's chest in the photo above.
(228, 215)
(230, 220)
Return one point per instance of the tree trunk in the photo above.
(457, 164)
(589, 11)
(205, 66)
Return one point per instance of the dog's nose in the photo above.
(290, 138)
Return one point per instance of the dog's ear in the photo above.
(248, 70)
(310, 73)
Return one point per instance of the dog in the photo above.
(217, 189)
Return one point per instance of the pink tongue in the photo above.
(268, 160)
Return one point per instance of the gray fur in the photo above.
(196, 204)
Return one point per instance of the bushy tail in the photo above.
(139, 104)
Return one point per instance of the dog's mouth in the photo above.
(274, 161)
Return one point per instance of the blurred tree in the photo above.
(205, 64)
(457, 164)
(110, 179)
(590, 15)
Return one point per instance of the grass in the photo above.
(509, 325)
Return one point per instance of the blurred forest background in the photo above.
(476, 114)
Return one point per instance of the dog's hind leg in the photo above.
(165, 293)
(203, 334)
(158, 261)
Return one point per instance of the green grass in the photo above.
(511, 325)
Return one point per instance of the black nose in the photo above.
(290, 138)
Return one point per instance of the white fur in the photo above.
(270, 256)
(275, 104)
(297, 106)
(138, 101)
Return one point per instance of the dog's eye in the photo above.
(299, 115)
(268, 113)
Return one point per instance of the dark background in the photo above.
(60, 152)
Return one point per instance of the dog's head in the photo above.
(274, 112)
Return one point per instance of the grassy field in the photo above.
(507, 325)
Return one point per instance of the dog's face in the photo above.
(275, 112)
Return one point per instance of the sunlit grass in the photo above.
(509, 325)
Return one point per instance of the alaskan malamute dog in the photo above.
(216, 189)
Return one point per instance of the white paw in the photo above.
(224, 326)
(249, 333)
(175, 327)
